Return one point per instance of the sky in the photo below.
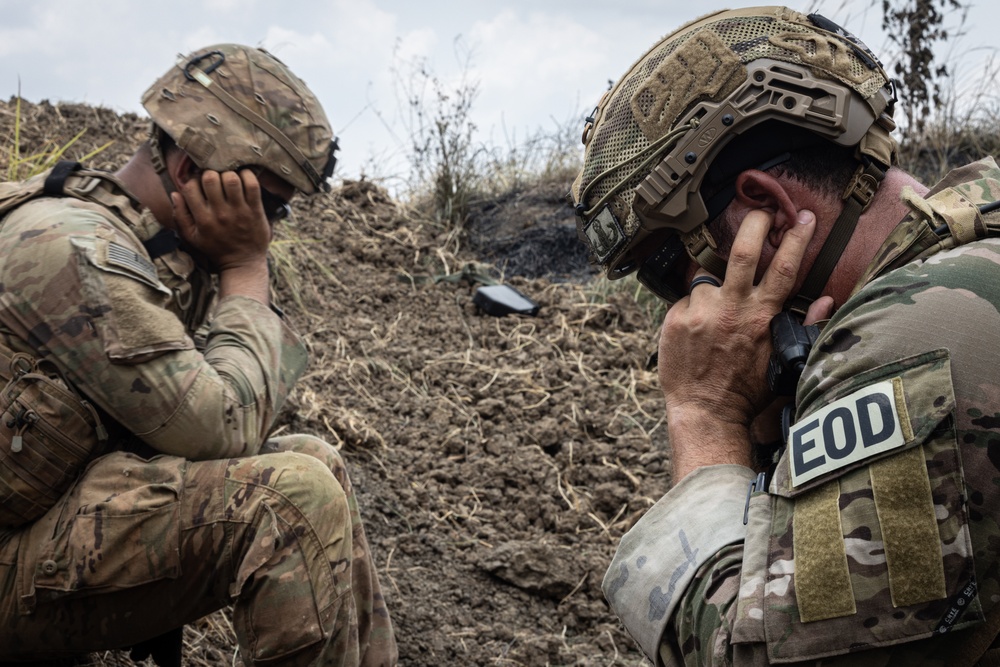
(538, 65)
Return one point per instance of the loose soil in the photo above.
(498, 460)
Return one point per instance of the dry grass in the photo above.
(202, 642)
(951, 143)
(25, 153)
(359, 381)
(963, 125)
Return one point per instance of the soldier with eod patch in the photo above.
(743, 168)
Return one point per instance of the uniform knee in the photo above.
(309, 485)
(315, 447)
(307, 444)
(300, 548)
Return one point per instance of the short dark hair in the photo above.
(828, 168)
(778, 148)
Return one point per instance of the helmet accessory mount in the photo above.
(735, 90)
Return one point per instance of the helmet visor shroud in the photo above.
(230, 106)
(794, 83)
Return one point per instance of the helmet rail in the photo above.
(660, 158)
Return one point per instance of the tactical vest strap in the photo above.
(163, 242)
(55, 182)
(69, 179)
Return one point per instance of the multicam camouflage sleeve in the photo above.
(664, 552)
(115, 323)
(875, 543)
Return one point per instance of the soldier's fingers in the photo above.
(251, 188)
(194, 198)
(783, 271)
(742, 265)
(211, 185)
(232, 186)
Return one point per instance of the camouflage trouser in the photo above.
(138, 547)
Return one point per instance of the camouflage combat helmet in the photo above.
(652, 142)
(229, 106)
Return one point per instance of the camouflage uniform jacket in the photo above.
(80, 289)
(876, 541)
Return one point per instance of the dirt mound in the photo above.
(498, 460)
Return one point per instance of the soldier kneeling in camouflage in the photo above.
(744, 169)
(185, 504)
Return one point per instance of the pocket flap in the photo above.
(875, 550)
(874, 414)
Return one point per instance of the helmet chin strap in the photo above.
(857, 197)
(159, 160)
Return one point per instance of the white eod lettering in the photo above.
(850, 429)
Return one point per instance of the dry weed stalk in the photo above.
(44, 156)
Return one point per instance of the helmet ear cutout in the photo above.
(774, 90)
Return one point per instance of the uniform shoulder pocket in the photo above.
(873, 415)
(869, 541)
(130, 302)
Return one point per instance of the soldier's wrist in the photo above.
(701, 437)
(250, 280)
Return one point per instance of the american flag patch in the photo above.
(126, 258)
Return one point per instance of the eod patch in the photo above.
(855, 427)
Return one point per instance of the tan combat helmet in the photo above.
(652, 141)
(229, 106)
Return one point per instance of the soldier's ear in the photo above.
(757, 189)
(182, 168)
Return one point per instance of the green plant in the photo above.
(444, 160)
(542, 156)
(600, 289)
(947, 121)
(451, 169)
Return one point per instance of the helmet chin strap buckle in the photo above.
(862, 187)
(701, 247)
